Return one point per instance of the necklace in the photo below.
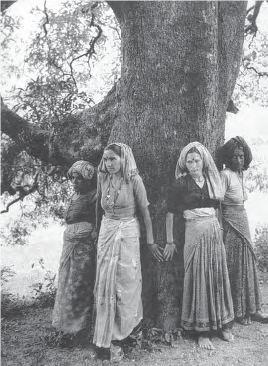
(199, 180)
(112, 196)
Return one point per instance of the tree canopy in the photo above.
(49, 113)
(58, 96)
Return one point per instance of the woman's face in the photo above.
(112, 161)
(194, 164)
(238, 159)
(79, 183)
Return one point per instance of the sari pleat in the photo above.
(207, 301)
(74, 299)
(118, 307)
(241, 263)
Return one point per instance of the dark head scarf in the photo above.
(225, 152)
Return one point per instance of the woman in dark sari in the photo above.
(207, 307)
(236, 156)
(72, 315)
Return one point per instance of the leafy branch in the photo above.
(23, 192)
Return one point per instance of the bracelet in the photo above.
(171, 243)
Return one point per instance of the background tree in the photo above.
(180, 62)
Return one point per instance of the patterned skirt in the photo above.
(74, 299)
(118, 281)
(207, 301)
(241, 263)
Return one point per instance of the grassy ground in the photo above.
(23, 344)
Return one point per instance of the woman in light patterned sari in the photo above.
(118, 279)
(207, 307)
(72, 314)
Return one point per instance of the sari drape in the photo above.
(74, 299)
(118, 284)
(241, 262)
(207, 301)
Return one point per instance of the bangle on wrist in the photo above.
(170, 243)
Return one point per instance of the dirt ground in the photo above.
(23, 344)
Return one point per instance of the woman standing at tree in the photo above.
(207, 302)
(74, 302)
(118, 280)
(236, 155)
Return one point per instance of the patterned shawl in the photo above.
(82, 167)
(128, 165)
(210, 170)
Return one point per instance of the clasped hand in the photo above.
(161, 254)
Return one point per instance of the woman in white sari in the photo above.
(207, 301)
(118, 280)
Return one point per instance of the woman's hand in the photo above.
(169, 251)
(94, 234)
(156, 250)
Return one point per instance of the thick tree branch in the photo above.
(117, 7)
(9, 154)
(27, 136)
(80, 136)
(252, 27)
(6, 4)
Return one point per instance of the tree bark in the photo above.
(6, 4)
(180, 63)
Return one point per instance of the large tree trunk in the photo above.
(180, 63)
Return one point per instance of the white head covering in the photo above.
(210, 170)
(128, 165)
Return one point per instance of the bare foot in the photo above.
(244, 321)
(227, 336)
(259, 317)
(204, 342)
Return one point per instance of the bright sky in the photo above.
(250, 121)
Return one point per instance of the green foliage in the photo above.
(73, 60)
(8, 26)
(6, 273)
(251, 85)
(256, 176)
(44, 292)
(10, 304)
(261, 250)
(39, 209)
